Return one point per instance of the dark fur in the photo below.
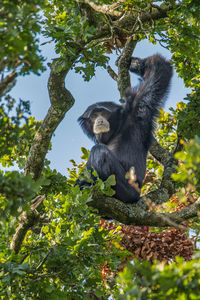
(131, 126)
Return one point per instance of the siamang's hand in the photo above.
(137, 66)
(134, 64)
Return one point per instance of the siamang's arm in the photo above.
(145, 101)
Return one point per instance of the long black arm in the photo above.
(146, 101)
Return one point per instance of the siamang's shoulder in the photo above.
(156, 60)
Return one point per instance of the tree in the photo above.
(59, 248)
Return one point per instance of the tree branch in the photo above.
(167, 187)
(61, 101)
(7, 83)
(135, 214)
(106, 9)
(26, 221)
(161, 154)
(112, 73)
(123, 79)
(128, 21)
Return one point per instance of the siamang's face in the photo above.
(100, 121)
(105, 124)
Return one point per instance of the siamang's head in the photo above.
(100, 121)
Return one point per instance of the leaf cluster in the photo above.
(178, 280)
(20, 24)
(17, 131)
(72, 33)
(16, 192)
(188, 170)
(189, 124)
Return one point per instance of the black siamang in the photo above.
(123, 133)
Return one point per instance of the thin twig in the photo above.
(44, 259)
(112, 73)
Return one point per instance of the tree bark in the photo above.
(61, 101)
(138, 215)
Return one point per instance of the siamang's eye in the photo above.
(106, 114)
(94, 116)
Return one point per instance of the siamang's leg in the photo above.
(105, 163)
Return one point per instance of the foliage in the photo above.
(17, 191)
(189, 125)
(70, 36)
(188, 171)
(166, 134)
(65, 253)
(185, 42)
(167, 127)
(17, 131)
(69, 253)
(19, 26)
(178, 280)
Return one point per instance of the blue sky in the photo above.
(69, 138)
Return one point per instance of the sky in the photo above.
(68, 137)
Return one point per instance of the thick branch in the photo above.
(106, 9)
(161, 154)
(127, 21)
(26, 221)
(7, 83)
(61, 101)
(123, 79)
(135, 214)
(167, 187)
